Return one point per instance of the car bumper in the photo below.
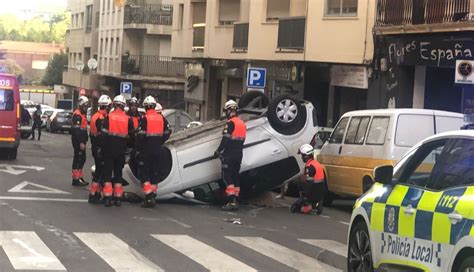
(10, 142)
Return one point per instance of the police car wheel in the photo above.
(467, 265)
(286, 114)
(359, 256)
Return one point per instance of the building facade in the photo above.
(419, 48)
(317, 50)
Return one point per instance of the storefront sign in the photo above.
(349, 76)
(429, 50)
(464, 73)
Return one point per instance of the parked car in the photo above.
(365, 139)
(190, 171)
(48, 114)
(418, 215)
(62, 122)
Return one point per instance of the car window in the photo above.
(48, 113)
(407, 123)
(171, 119)
(338, 134)
(185, 120)
(378, 131)
(417, 171)
(357, 130)
(6, 100)
(445, 123)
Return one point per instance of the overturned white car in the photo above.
(275, 131)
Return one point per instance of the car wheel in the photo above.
(328, 197)
(286, 115)
(359, 256)
(12, 153)
(254, 99)
(467, 265)
(25, 135)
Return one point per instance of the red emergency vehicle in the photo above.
(10, 123)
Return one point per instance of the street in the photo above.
(48, 225)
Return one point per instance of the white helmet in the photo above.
(83, 100)
(120, 100)
(231, 104)
(306, 149)
(105, 100)
(133, 101)
(149, 101)
(158, 107)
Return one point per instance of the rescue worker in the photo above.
(97, 143)
(312, 187)
(133, 111)
(152, 134)
(230, 151)
(117, 128)
(79, 140)
(36, 123)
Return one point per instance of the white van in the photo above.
(365, 139)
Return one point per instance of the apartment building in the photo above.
(318, 50)
(423, 56)
(134, 44)
(82, 45)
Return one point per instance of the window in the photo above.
(111, 52)
(446, 123)
(6, 100)
(338, 134)
(229, 11)
(81, 22)
(277, 9)
(106, 47)
(407, 123)
(180, 16)
(97, 19)
(89, 17)
(378, 131)
(357, 130)
(117, 46)
(341, 7)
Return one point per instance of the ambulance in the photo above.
(10, 123)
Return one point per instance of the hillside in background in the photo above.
(36, 29)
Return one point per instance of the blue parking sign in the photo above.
(256, 77)
(126, 88)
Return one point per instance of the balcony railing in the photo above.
(241, 36)
(416, 12)
(149, 14)
(291, 33)
(152, 66)
(199, 33)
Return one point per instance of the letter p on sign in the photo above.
(256, 78)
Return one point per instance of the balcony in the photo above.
(241, 36)
(156, 19)
(396, 13)
(152, 66)
(291, 33)
(199, 33)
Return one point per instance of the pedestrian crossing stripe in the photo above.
(26, 251)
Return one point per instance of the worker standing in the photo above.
(97, 143)
(231, 152)
(152, 134)
(133, 111)
(79, 140)
(117, 128)
(36, 122)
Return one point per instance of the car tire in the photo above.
(12, 153)
(254, 99)
(25, 135)
(359, 255)
(467, 264)
(328, 197)
(286, 115)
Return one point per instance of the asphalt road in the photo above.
(46, 224)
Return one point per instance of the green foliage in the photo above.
(36, 29)
(54, 72)
(11, 66)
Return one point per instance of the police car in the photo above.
(418, 215)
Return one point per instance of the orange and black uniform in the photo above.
(153, 132)
(97, 142)
(117, 128)
(78, 136)
(313, 187)
(231, 147)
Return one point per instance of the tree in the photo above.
(11, 67)
(54, 72)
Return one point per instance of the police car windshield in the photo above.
(6, 100)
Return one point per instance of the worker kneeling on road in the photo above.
(231, 152)
(117, 128)
(153, 132)
(97, 142)
(312, 188)
(79, 140)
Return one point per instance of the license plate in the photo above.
(66, 126)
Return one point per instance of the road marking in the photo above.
(44, 189)
(116, 253)
(282, 254)
(344, 223)
(10, 169)
(26, 251)
(184, 225)
(42, 199)
(329, 245)
(325, 216)
(207, 256)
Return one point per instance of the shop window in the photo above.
(338, 134)
(229, 11)
(357, 130)
(277, 9)
(341, 7)
(378, 131)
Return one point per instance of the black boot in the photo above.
(231, 206)
(94, 199)
(118, 201)
(79, 182)
(149, 201)
(108, 201)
